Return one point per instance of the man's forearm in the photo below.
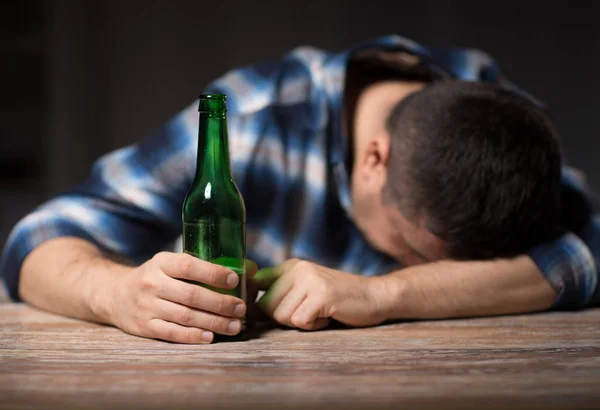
(449, 289)
(71, 277)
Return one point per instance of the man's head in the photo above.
(464, 170)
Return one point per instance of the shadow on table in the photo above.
(258, 329)
(253, 332)
(262, 325)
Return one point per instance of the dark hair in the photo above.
(480, 165)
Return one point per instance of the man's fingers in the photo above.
(185, 316)
(172, 332)
(307, 316)
(265, 277)
(184, 266)
(284, 311)
(273, 297)
(198, 297)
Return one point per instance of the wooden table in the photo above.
(545, 361)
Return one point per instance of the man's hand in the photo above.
(306, 295)
(152, 301)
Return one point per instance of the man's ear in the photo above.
(377, 152)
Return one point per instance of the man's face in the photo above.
(383, 224)
(388, 231)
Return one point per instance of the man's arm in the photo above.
(448, 289)
(61, 276)
(305, 295)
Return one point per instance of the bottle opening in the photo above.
(212, 103)
(217, 97)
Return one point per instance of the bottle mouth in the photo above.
(212, 103)
(213, 97)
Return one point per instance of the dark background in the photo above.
(80, 78)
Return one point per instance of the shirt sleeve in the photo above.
(130, 204)
(571, 262)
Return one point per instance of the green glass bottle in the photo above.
(214, 216)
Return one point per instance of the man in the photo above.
(377, 186)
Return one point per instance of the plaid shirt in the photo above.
(287, 149)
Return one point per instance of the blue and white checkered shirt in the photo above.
(287, 149)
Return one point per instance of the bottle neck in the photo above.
(213, 151)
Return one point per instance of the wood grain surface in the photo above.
(544, 361)
(3, 295)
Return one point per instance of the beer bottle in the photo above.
(214, 216)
